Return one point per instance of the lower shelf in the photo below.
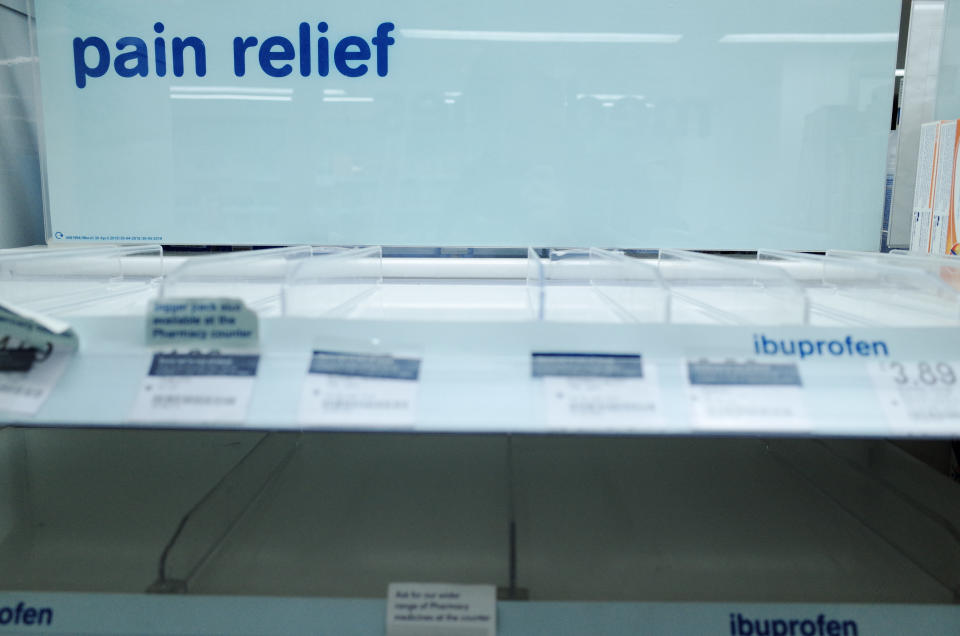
(547, 518)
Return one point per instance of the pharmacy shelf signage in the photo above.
(149, 615)
(691, 123)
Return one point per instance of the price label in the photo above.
(918, 395)
(343, 388)
(598, 391)
(34, 351)
(27, 376)
(196, 388)
(738, 395)
(441, 609)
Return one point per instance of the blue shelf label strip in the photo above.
(587, 365)
(365, 365)
(204, 364)
(743, 374)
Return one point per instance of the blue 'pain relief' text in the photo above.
(275, 55)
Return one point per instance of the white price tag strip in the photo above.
(355, 388)
(196, 388)
(598, 391)
(26, 379)
(739, 395)
(441, 609)
(918, 396)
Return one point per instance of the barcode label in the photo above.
(345, 403)
(586, 365)
(20, 390)
(918, 395)
(211, 388)
(25, 392)
(162, 401)
(598, 391)
(351, 389)
(364, 365)
(204, 364)
(745, 395)
(748, 373)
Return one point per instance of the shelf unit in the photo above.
(484, 486)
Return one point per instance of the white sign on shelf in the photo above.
(208, 322)
(918, 392)
(196, 387)
(32, 329)
(743, 395)
(24, 391)
(441, 609)
(598, 391)
(343, 388)
(34, 351)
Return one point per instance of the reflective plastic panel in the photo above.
(98, 280)
(690, 123)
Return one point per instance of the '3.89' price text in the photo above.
(919, 397)
(921, 373)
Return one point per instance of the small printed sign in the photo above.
(737, 395)
(598, 391)
(441, 609)
(208, 322)
(196, 387)
(22, 328)
(34, 351)
(918, 393)
(343, 388)
(26, 383)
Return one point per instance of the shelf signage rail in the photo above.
(147, 615)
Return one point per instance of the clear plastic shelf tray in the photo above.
(946, 268)
(595, 285)
(360, 284)
(333, 283)
(89, 280)
(868, 291)
(257, 276)
(710, 289)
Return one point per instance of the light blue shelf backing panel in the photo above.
(692, 123)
